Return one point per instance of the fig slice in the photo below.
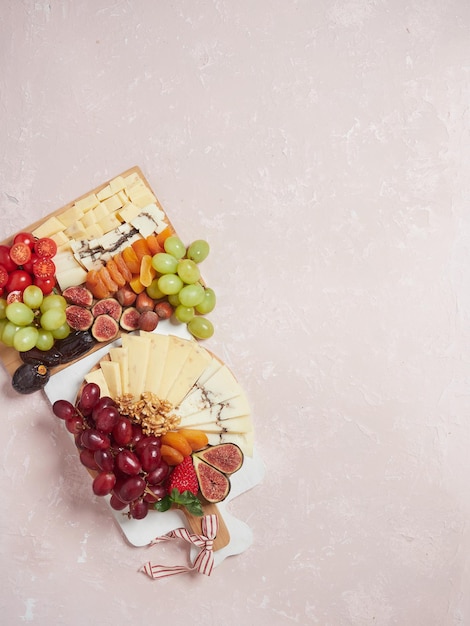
(213, 484)
(79, 295)
(130, 319)
(225, 457)
(78, 317)
(108, 306)
(105, 328)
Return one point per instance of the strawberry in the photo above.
(183, 478)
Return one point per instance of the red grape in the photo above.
(106, 418)
(104, 459)
(63, 409)
(130, 489)
(104, 483)
(94, 440)
(122, 432)
(74, 424)
(156, 476)
(150, 458)
(89, 397)
(156, 493)
(138, 509)
(117, 504)
(128, 462)
(146, 441)
(87, 458)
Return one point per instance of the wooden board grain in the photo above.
(8, 356)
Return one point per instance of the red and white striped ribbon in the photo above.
(203, 563)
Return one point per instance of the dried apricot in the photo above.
(131, 260)
(197, 439)
(141, 248)
(147, 272)
(177, 441)
(122, 267)
(167, 232)
(108, 281)
(170, 455)
(95, 284)
(154, 246)
(136, 285)
(115, 273)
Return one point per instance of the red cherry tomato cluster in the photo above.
(27, 261)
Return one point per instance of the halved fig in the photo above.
(130, 319)
(105, 328)
(79, 295)
(78, 317)
(107, 306)
(213, 484)
(226, 457)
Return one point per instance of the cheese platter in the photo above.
(104, 309)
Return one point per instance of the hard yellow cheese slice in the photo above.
(197, 361)
(112, 374)
(138, 350)
(156, 362)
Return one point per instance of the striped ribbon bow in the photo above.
(203, 563)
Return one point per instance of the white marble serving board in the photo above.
(65, 385)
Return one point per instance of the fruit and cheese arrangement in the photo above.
(108, 263)
(158, 421)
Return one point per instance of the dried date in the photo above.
(63, 351)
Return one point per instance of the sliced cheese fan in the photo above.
(202, 391)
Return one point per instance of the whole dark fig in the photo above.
(30, 377)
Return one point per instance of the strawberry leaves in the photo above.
(186, 500)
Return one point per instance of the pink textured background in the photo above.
(323, 149)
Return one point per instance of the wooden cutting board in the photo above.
(8, 356)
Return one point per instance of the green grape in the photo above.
(53, 319)
(62, 332)
(169, 284)
(33, 296)
(188, 271)
(198, 250)
(184, 313)
(164, 263)
(9, 331)
(3, 308)
(45, 339)
(3, 323)
(19, 313)
(173, 299)
(191, 295)
(25, 338)
(208, 303)
(53, 301)
(174, 246)
(153, 291)
(201, 327)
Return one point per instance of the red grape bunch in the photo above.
(126, 464)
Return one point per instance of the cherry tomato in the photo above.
(5, 259)
(18, 281)
(26, 238)
(46, 285)
(15, 296)
(45, 247)
(44, 268)
(20, 253)
(3, 276)
(28, 267)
